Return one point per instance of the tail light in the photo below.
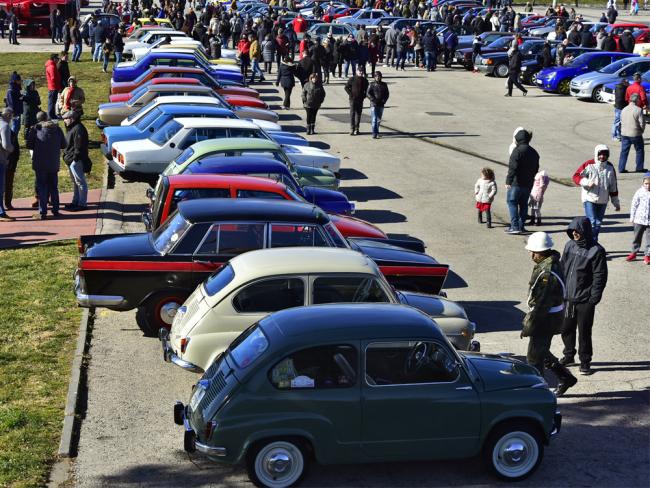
(104, 138)
(80, 246)
(114, 152)
(184, 342)
(209, 429)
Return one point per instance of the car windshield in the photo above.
(579, 61)
(529, 45)
(294, 195)
(168, 234)
(147, 119)
(616, 65)
(638, 33)
(499, 43)
(166, 132)
(185, 155)
(335, 235)
(646, 77)
(249, 346)
(137, 94)
(217, 282)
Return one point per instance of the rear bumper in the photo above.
(557, 424)
(190, 444)
(170, 356)
(87, 301)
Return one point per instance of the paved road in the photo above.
(412, 185)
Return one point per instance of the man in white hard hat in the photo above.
(546, 307)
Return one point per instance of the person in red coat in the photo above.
(637, 88)
(54, 85)
(244, 49)
(299, 24)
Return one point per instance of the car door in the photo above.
(417, 402)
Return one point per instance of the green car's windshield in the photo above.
(166, 132)
(249, 346)
(168, 234)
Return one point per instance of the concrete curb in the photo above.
(67, 445)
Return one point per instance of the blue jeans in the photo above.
(76, 52)
(430, 60)
(52, 95)
(106, 57)
(517, 199)
(80, 195)
(376, 114)
(255, 68)
(47, 187)
(3, 172)
(97, 52)
(346, 67)
(15, 124)
(595, 212)
(616, 126)
(401, 59)
(626, 142)
(118, 58)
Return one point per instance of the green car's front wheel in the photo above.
(513, 451)
(277, 463)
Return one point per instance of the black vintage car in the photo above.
(155, 272)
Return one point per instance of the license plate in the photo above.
(196, 398)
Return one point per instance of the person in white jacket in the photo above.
(485, 190)
(597, 178)
(640, 217)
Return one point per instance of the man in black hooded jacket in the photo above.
(522, 168)
(584, 265)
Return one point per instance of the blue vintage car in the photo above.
(329, 200)
(160, 115)
(558, 78)
(131, 70)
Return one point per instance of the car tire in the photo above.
(563, 88)
(501, 70)
(533, 78)
(277, 463)
(513, 451)
(158, 311)
(597, 94)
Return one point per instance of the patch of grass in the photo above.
(39, 328)
(95, 85)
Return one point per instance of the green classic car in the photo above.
(238, 146)
(364, 383)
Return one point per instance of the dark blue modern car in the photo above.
(160, 115)
(531, 67)
(131, 70)
(329, 200)
(558, 78)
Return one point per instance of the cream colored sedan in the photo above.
(257, 283)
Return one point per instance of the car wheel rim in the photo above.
(564, 87)
(598, 95)
(279, 464)
(533, 79)
(515, 454)
(166, 310)
(502, 71)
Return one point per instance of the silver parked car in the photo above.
(590, 85)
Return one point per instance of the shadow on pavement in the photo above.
(380, 216)
(352, 174)
(367, 193)
(320, 145)
(494, 316)
(289, 117)
(454, 280)
(294, 128)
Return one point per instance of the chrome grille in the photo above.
(217, 384)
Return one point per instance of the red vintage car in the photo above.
(180, 72)
(236, 100)
(339, 12)
(173, 189)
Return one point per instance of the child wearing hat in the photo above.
(640, 217)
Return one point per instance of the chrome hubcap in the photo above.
(168, 312)
(278, 464)
(514, 453)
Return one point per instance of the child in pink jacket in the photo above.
(536, 198)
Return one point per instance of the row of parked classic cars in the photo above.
(318, 336)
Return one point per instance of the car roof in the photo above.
(240, 164)
(233, 144)
(174, 69)
(175, 109)
(167, 31)
(242, 182)
(253, 209)
(176, 80)
(194, 122)
(301, 260)
(341, 322)
(181, 99)
(163, 87)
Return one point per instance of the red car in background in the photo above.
(236, 100)
(339, 12)
(178, 72)
(177, 188)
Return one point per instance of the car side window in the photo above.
(259, 194)
(232, 239)
(196, 193)
(289, 235)
(203, 134)
(322, 367)
(599, 62)
(408, 363)
(347, 289)
(270, 295)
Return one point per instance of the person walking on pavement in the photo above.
(514, 70)
(13, 27)
(378, 94)
(6, 148)
(451, 42)
(619, 104)
(313, 95)
(546, 306)
(357, 90)
(53, 85)
(76, 157)
(597, 178)
(402, 46)
(522, 168)
(46, 140)
(632, 127)
(584, 264)
(390, 39)
(286, 79)
(640, 217)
